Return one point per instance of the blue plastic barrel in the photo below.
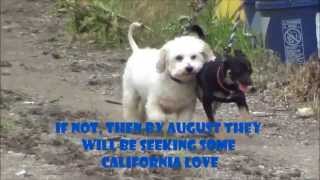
(249, 1)
(283, 4)
(288, 27)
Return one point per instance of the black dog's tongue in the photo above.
(243, 88)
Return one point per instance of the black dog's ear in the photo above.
(227, 51)
(196, 29)
(239, 53)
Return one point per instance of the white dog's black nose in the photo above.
(189, 69)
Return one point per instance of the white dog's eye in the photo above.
(193, 57)
(179, 58)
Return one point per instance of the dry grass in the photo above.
(268, 69)
(304, 83)
(305, 80)
(289, 83)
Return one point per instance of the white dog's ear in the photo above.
(208, 53)
(161, 64)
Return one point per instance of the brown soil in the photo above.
(43, 78)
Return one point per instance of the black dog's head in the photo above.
(238, 69)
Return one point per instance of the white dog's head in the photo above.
(183, 57)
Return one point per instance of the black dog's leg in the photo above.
(215, 106)
(208, 109)
(243, 109)
(206, 103)
(242, 104)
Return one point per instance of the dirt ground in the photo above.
(45, 78)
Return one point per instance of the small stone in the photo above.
(75, 67)
(259, 114)
(93, 80)
(28, 102)
(258, 172)
(306, 142)
(5, 72)
(104, 92)
(35, 111)
(56, 55)
(271, 85)
(91, 170)
(45, 52)
(305, 112)
(22, 172)
(9, 27)
(91, 41)
(52, 39)
(52, 110)
(5, 64)
(284, 177)
(35, 31)
(246, 171)
(295, 173)
(267, 98)
(93, 76)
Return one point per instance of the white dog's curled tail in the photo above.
(132, 43)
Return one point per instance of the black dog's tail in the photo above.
(196, 29)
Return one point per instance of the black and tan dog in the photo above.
(225, 80)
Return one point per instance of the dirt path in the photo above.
(43, 79)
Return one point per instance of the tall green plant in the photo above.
(95, 19)
(219, 30)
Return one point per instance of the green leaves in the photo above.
(106, 22)
(96, 20)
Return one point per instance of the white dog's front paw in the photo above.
(156, 116)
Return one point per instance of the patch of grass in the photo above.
(106, 21)
(304, 82)
(98, 21)
(7, 125)
(289, 83)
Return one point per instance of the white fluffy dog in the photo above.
(160, 84)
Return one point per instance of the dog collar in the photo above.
(175, 79)
(220, 82)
